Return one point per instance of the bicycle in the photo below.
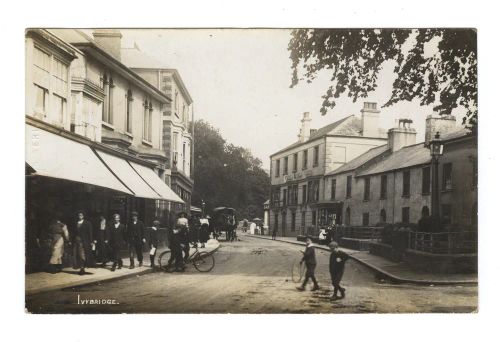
(298, 271)
(202, 261)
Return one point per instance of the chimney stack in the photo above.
(402, 135)
(438, 123)
(110, 40)
(305, 128)
(369, 120)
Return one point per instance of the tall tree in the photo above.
(445, 78)
(227, 175)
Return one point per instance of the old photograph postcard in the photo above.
(251, 170)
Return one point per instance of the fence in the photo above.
(361, 233)
(443, 243)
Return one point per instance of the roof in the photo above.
(408, 156)
(459, 133)
(84, 43)
(136, 59)
(360, 160)
(349, 126)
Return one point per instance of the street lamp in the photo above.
(203, 208)
(436, 149)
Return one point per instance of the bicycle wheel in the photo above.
(298, 271)
(204, 262)
(163, 260)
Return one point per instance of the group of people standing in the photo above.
(182, 235)
(101, 243)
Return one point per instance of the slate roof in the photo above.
(348, 126)
(360, 160)
(408, 156)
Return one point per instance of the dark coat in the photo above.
(153, 238)
(204, 233)
(135, 232)
(337, 262)
(116, 236)
(309, 256)
(83, 233)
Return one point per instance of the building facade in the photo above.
(93, 136)
(298, 188)
(177, 118)
(392, 184)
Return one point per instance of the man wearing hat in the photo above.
(337, 261)
(135, 238)
(81, 237)
(310, 259)
(153, 241)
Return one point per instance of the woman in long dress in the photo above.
(58, 234)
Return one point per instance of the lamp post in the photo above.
(436, 149)
(203, 208)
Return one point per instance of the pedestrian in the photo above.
(275, 231)
(101, 240)
(116, 239)
(135, 239)
(310, 260)
(174, 238)
(58, 234)
(153, 242)
(183, 226)
(81, 237)
(337, 262)
(204, 231)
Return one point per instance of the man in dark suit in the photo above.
(116, 237)
(337, 262)
(81, 237)
(310, 259)
(135, 239)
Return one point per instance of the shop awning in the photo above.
(156, 183)
(128, 176)
(51, 155)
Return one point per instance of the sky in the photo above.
(240, 79)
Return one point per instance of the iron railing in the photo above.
(443, 243)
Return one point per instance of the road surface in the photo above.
(254, 276)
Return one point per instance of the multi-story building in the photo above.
(177, 116)
(93, 135)
(298, 188)
(392, 183)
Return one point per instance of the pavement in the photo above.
(397, 272)
(69, 278)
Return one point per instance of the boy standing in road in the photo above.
(337, 262)
(310, 259)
